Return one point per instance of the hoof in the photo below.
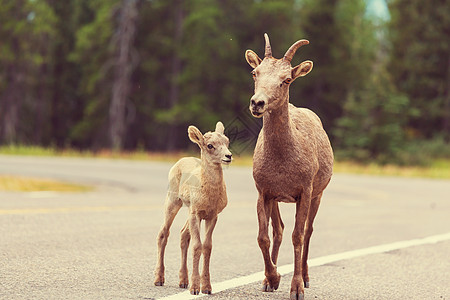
(184, 285)
(271, 285)
(159, 279)
(297, 296)
(206, 288)
(195, 292)
(267, 288)
(306, 284)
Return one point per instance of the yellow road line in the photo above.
(57, 210)
(87, 209)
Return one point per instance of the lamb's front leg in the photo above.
(207, 247)
(194, 228)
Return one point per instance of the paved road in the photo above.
(101, 244)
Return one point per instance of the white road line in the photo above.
(319, 261)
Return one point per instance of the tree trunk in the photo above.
(10, 108)
(175, 71)
(123, 40)
(446, 120)
(12, 99)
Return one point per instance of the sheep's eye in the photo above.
(210, 146)
(253, 74)
(287, 81)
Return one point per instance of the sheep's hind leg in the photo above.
(172, 206)
(184, 244)
(278, 227)
(309, 229)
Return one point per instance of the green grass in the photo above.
(132, 155)
(439, 168)
(26, 150)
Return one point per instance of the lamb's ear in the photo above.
(195, 135)
(302, 69)
(252, 58)
(220, 128)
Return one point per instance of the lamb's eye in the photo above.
(287, 81)
(210, 146)
(253, 74)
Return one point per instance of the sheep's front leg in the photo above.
(272, 280)
(207, 247)
(302, 210)
(194, 228)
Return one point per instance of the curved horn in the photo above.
(291, 51)
(268, 52)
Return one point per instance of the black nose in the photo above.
(257, 104)
(228, 156)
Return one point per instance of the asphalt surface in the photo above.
(101, 244)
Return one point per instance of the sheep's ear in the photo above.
(302, 69)
(252, 58)
(220, 128)
(195, 135)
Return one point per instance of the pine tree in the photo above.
(124, 64)
(64, 75)
(420, 63)
(25, 52)
(92, 53)
(327, 86)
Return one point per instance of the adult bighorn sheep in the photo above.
(199, 185)
(292, 162)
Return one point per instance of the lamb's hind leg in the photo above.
(207, 247)
(184, 244)
(308, 231)
(172, 206)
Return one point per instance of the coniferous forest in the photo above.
(133, 74)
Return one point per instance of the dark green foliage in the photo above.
(92, 54)
(377, 87)
(26, 34)
(374, 113)
(420, 63)
(372, 127)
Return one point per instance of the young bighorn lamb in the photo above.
(198, 184)
(292, 162)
